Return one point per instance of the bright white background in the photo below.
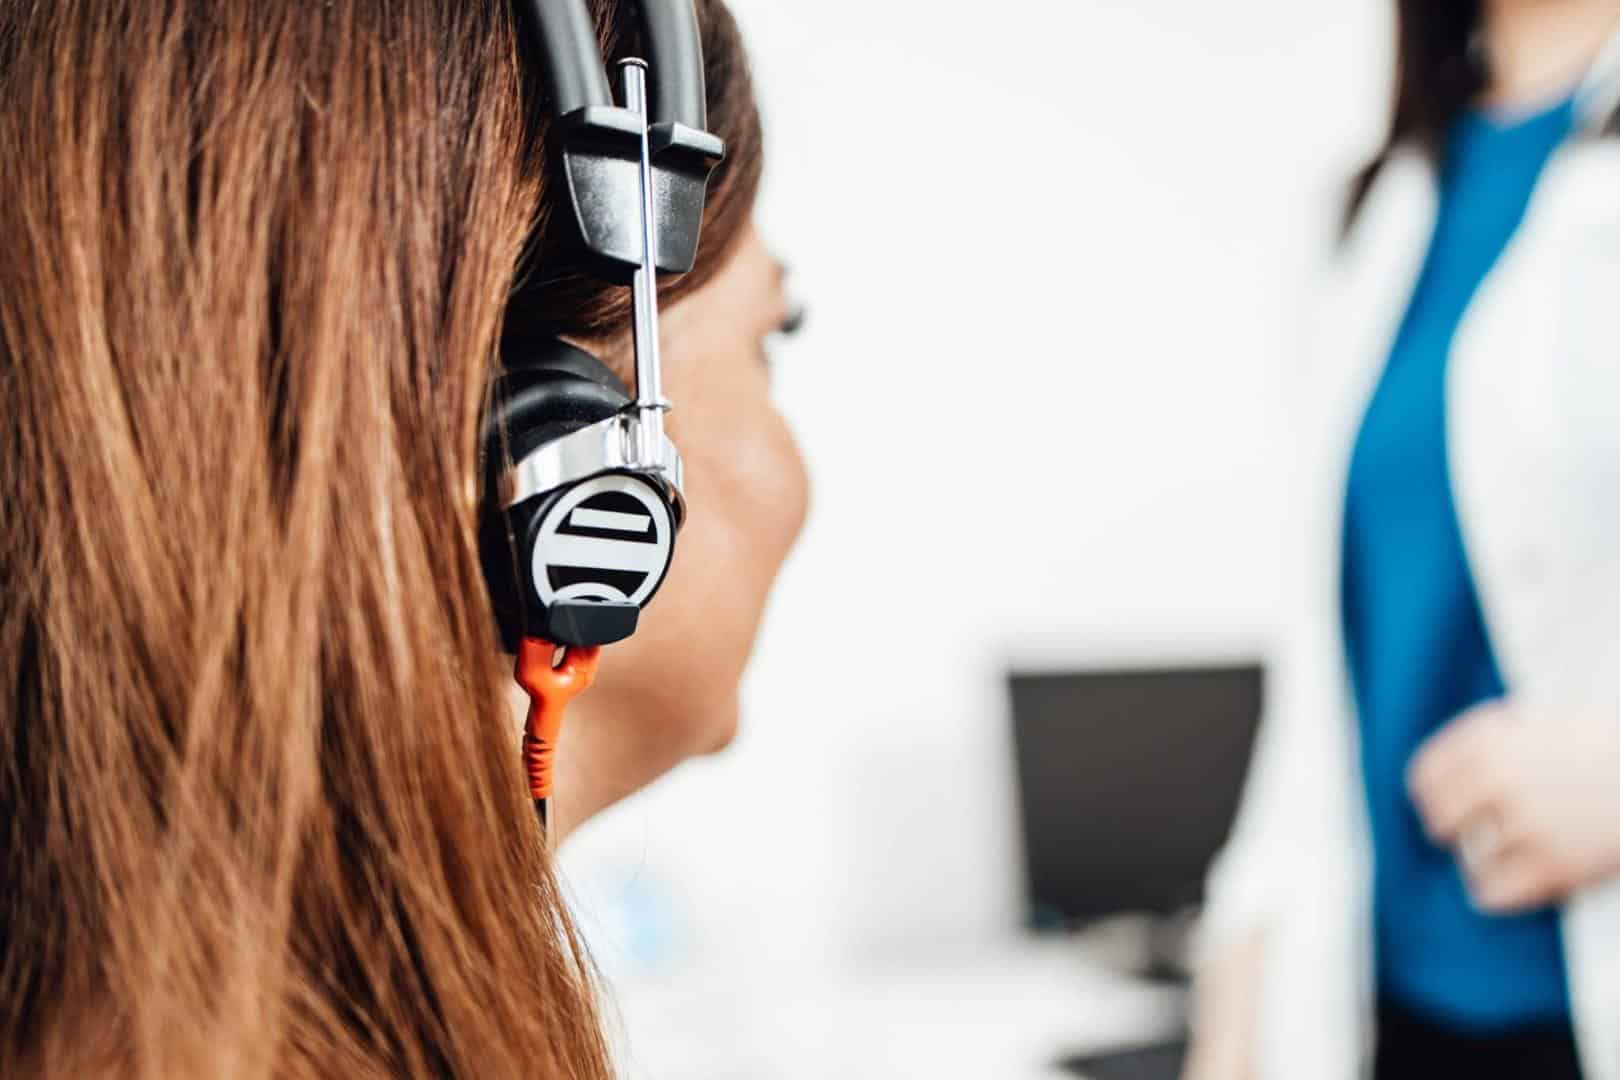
(1055, 258)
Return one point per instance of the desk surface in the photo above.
(1005, 1013)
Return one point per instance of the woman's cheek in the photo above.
(771, 485)
(697, 634)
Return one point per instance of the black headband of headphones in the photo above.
(574, 71)
(601, 142)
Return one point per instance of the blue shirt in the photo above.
(1416, 641)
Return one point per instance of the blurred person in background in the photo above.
(261, 810)
(1424, 879)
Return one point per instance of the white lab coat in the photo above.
(1533, 429)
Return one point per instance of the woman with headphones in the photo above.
(1425, 875)
(261, 807)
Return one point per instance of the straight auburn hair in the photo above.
(261, 812)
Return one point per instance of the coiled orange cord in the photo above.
(551, 685)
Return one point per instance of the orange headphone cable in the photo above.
(551, 684)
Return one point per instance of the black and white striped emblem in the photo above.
(606, 539)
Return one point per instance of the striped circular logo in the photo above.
(606, 539)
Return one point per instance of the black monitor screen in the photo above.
(1128, 783)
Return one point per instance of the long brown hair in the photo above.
(260, 806)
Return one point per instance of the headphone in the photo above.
(583, 495)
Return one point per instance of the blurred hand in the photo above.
(1225, 1012)
(1532, 807)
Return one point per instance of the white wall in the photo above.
(1053, 262)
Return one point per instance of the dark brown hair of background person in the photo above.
(1439, 69)
(261, 810)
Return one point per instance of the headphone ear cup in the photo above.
(537, 400)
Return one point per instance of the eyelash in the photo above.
(793, 321)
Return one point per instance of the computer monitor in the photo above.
(1128, 783)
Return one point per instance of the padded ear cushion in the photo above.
(534, 408)
(520, 353)
(547, 389)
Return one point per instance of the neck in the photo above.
(1539, 48)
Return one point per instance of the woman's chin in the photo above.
(724, 723)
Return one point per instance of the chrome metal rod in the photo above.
(650, 402)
